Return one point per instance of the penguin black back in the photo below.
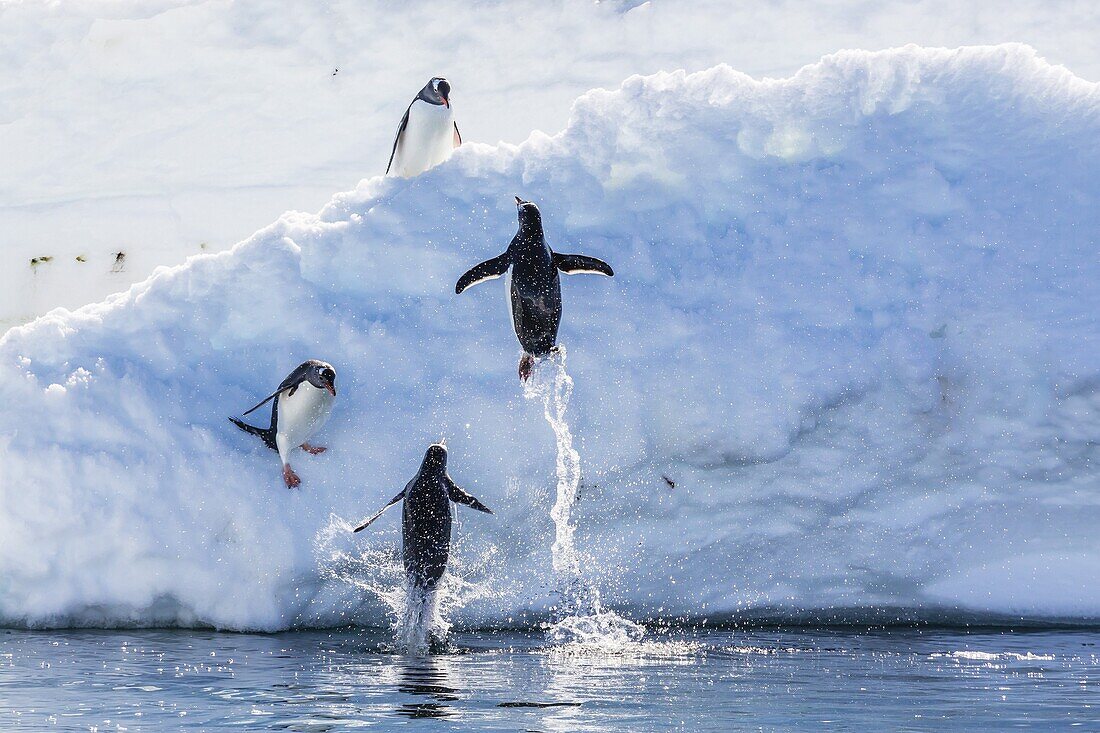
(426, 519)
(535, 290)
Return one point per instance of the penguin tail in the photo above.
(267, 435)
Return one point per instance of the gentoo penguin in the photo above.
(302, 404)
(426, 519)
(534, 288)
(427, 133)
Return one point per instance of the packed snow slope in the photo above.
(167, 128)
(854, 322)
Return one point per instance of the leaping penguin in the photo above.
(302, 404)
(427, 133)
(426, 519)
(534, 288)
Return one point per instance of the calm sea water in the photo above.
(907, 680)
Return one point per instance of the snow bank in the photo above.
(854, 321)
(168, 128)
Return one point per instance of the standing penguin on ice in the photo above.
(426, 519)
(427, 133)
(534, 288)
(302, 404)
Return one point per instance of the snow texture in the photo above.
(167, 128)
(848, 361)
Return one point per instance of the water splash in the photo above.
(552, 383)
(419, 626)
(581, 619)
(419, 619)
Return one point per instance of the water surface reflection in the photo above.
(722, 681)
(431, 679)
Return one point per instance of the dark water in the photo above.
(906, 680)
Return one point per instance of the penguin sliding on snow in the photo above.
(426, 519)
(302, 404)
(534, 288)
(427, 133)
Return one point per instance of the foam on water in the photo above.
(581, 619)
(980, 656)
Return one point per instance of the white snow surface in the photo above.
(167, 128)
(855, 320)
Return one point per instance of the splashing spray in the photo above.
(419, 626)
(418, 618)
(580, 616)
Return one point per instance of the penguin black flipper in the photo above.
(581, 264)
(267, 399)
(295, 378)
(367, 522)
(397, 137)
(458, 136)
(458, 496)
(487, 270)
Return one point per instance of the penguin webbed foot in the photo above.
(526, 364)
(313, 450)
(291, 478)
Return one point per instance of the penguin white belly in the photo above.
(427, 141)
(300, 416)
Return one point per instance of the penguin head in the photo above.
(529, 215)
(437, 91)
(436, 457)
(322, 376)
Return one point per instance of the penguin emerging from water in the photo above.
(426, 519)
(302, 404)
(534, 288)
(427, 133)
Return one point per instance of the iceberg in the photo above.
(848, 365)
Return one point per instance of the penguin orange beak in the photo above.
(446, 102)
(331, 388)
